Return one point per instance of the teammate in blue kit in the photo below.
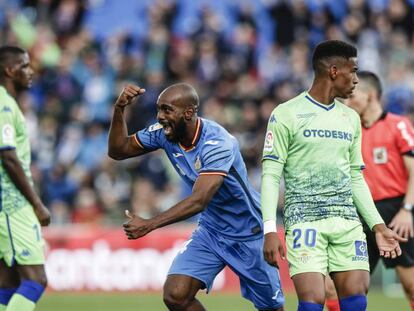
(230, 228)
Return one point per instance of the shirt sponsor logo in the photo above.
(327, 134)
(380, 155)
(269, 139)
(7, 134)
(361, 252)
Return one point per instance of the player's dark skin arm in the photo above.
(271, 247)
(17, 175)
(204, 189)
(120, 144)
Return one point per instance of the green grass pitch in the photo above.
(153, 302)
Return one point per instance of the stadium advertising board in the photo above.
(102, 259)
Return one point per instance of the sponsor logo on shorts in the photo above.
(361, 252)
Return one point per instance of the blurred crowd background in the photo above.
(243, 57)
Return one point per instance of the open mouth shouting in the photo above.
(168, 130)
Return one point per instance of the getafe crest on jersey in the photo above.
(197, 163)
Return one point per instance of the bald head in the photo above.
(177, 109)
(181, 95)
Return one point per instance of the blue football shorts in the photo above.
(204, 255)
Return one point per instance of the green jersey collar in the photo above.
(315, 102)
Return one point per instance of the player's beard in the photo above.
(179, 131)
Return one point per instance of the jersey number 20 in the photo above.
(309, 238)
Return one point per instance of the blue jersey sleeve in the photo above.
(151, 138)
(217, 157)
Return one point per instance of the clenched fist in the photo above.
(128, 94)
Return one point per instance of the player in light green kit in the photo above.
(315, 141)
(22, 273)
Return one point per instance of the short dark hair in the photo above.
(7, 52)
(372, 79)
(331, 48)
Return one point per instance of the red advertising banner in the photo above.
(91, 258)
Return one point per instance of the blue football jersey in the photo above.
(234, 210)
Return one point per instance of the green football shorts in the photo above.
(20, 238)
(327, 245)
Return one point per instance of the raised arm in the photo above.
(204, 189)
(120, 144)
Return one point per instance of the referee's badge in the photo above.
(380, 155)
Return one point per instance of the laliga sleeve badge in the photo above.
(269, 139)
(7, 134)
(154, 127)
